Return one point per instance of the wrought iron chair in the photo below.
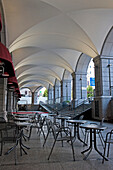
(2, 120)
(38, 123)
(9, 134)
(62, 134)
(49, 129)
(108, 141)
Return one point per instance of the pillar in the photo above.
(3, 97)
(101, 106)
(79, 86)
(15, 102)
(32, 98)
(61, 91)
(10, 102)
(35, 97)
(50, 95)
(66, 90)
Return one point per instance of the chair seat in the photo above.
(9, 139)
(109, 141)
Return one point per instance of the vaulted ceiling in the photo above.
(47, 37)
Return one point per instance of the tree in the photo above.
(90, 91)
(45, 93)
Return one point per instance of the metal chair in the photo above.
(49, 129)
(9, 134)
(38, 123)
(2, 120)
(108, 140)
(62, 134)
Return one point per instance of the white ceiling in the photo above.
(48, 36)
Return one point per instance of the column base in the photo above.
(4, 115)
(101, 108)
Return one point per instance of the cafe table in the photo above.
(93, 140)
(77, 123)
(54, 116)
(63, 119)
(20, 126)
(24, 119)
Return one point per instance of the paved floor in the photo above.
(61, 158)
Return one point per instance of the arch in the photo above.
(67, 75)
(107, 48)
(82, 64)
(26, 88)
(38, 88)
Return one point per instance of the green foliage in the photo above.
(90, 91)
(45, 93)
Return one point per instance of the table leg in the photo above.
(90, 147)
(62, 123)
(78, 135)
(95, 146)
(22, 146)
(75, 131)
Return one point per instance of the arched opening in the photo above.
(25, 99)
(90, 80)
(39, 95)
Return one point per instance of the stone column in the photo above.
(14, 102)
(3, 97)
(32, 98)
(35, 97)
(57, 93)
(66, 90)
(61, 91)
(10, 102)
(50, 95)
(79, 87)
(101, 106)
(54, 94)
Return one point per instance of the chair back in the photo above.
(2, 120)
(101, 123)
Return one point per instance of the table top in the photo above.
(21, 116)
(63, 117)
(22, 124)
(93, 126)
(21, 119)
(54, 115)
(77, 121)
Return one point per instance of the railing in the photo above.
(59, 100)
(54, 107)
(48, 108)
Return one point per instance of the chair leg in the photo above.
(72, 150)
(1, 148)
(53, 146)
(108, 149)
(101, 138)
(46, 138)
(86, 137)
(30, 132)
(51, 149)
(104, 152)
(43, 132)
(15, 155)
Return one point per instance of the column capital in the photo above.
(73, 74)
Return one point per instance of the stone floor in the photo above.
(61, 158)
